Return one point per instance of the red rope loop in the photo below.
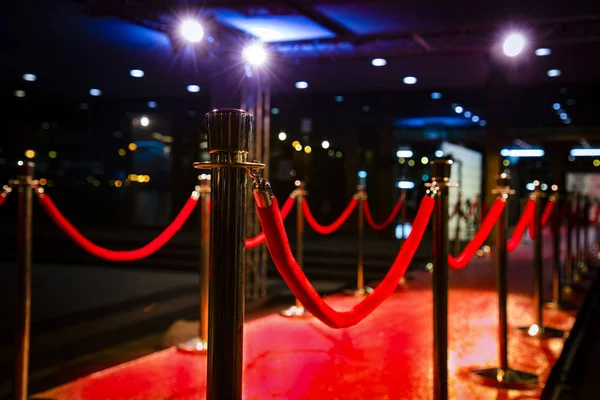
(527, 216)
(486, 227)
(545, 218)
(335, 225)
(118, 255)
(260, 238)
(286, 264)
(389, 219)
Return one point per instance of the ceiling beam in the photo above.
(315, 15)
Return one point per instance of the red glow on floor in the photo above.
(387, 356)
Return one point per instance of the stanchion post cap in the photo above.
(229, 130)
(440, 169)
(503, 181)
(25, 168)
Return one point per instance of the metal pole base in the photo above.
(359, 292)
(295, 312)
(541, 332)
(193, 346)
(505, 378)
(562, 305)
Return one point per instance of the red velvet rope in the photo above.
(545, 218)
(118, 255)
(389, 220)
(260, 238)
(284, 260)
(527, 216)
(3, 198)
(335, 225)
(486, 227)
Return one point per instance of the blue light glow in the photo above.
(483, 122)
(152, 104)
(420, 122)
(362, 174)
(95, 92)
(275, 111)
(409, 80)
(467, 114)
(273, 28)
(475, 118)
(439, 153)
(301, 85)
(436, 95)
(136, 73)
(425, 177)
(458, 109)
(193, 88)
(402, 231)
(556, 106)
(29, 77)
(339, 99)
(563, 115)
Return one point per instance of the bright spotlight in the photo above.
(95, 92)
(193, 88)
(409, 80)
(404, 153)
(553, 73)
(19, 93)
(513, 45)
(522, 152)
(556, 106)
(439, 153)
(542, 52)
(144, 121)
(301, 85)
(405, 185)
(378, 62)
(136, 73)
(282, 136)
(191, 30)
(362, 174)
(458, 109)
(29, 77)
(325, 144)
(255, 54)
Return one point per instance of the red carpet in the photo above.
(387, 356)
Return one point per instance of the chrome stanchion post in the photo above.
(299, 194)
(23, 317)
(229, 135)
(361, 290)
(199, 344)
(537, 329)
(557, 281)
(503, 376)
(458, 218)
(438, 188)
